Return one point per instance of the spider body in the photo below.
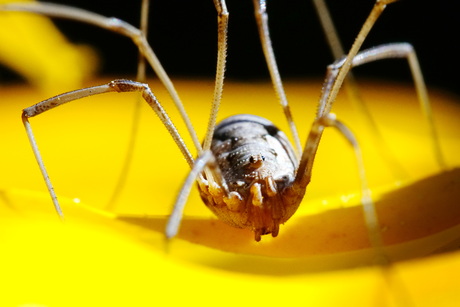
(258, 164)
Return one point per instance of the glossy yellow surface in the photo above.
(117, 256)
(100, 258)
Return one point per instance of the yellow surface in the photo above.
(96, 258)
(322, 257)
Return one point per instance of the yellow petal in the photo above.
(33, 47)
(118, 258)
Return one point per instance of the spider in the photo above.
(247, 172)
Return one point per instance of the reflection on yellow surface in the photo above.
(322, 256)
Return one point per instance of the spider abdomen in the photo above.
(257, 163)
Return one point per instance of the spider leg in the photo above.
(118, 26)
(222, 28)
(205, 161)
(370, 214)
(353, 93)
(114, 86)
(260, 8)
(140, 77)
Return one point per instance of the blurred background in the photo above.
(183, 34)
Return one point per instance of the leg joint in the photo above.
(122, 85)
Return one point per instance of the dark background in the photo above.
(183, 34)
